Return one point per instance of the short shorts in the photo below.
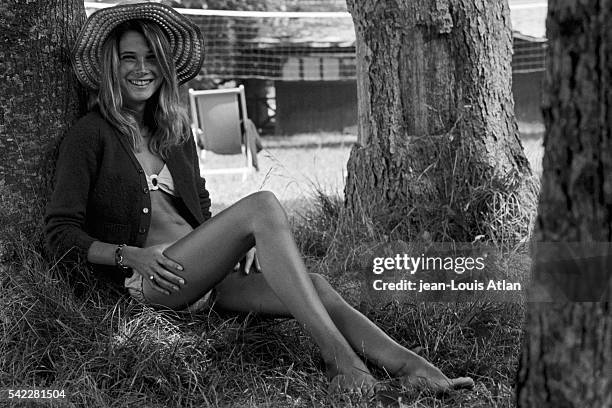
(133, 284)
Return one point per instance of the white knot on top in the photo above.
(153, 182)
(162, 181)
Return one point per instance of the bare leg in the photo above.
(210, 252)
(363, 335)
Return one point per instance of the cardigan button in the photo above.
(142, 230)
(145, 190)
(145, 210)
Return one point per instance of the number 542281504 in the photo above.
(35, 393)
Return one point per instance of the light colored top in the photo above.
(162, 181)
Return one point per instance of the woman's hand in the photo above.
(154, 266)
(249, 260)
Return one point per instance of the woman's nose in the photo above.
(141, 64)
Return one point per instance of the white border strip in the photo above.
(232, 13)
(529, 6)
(286, 14)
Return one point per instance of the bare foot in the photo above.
(426, 376)
(355, 381)
(350, 377)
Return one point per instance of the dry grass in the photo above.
(105, 350)
(293, 168)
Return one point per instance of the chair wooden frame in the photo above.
(234, 119)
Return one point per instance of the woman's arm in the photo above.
(102, 253)
(76, 168)
(149, 261)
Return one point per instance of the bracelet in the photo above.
(119, 257)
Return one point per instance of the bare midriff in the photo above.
(167, 225)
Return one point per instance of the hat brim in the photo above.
(186, 42)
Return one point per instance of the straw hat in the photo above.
(186, 43)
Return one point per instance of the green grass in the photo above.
(105, 350)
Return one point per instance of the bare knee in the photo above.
(326, 292)
(267, 211)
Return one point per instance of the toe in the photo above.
(342, 385)
(462, 382)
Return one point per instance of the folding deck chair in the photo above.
(219, 123)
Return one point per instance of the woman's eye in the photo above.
(128, 58)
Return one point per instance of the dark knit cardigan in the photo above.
(101, 192)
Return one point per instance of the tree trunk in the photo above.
(39, 100)
(567, 358)
(437, 134)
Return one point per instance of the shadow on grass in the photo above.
(106, 350)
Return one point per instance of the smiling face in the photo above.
(139, 72)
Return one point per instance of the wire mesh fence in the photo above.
(312, 46)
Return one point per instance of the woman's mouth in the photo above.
(140, 83)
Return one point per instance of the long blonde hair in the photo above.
(163, 113)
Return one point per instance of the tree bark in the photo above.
(435, 117)
(567, 357)
(39, 100)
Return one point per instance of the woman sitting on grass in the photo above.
(129, 198)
